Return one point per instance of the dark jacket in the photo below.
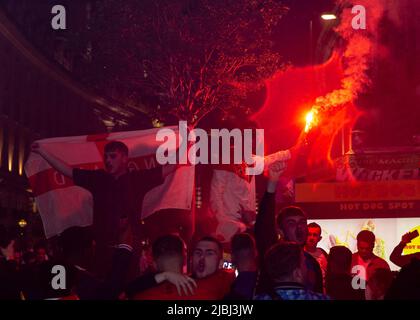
(266, 236)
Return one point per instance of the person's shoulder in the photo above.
(380, 262)
(309, 257)
(224, 275)
(228, 274)
(97, 172)
(222, 279)
(322, 251)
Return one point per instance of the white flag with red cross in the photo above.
(62, 204)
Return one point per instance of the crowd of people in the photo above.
(279, 260)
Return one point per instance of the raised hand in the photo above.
(275, 170)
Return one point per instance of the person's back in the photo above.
(76, 245)
(212, 287)
(378, 284)
(244, 259)
(286, 267)
(338, 279)
(406, 285)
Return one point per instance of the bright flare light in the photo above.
(329, 16)
(310, 120)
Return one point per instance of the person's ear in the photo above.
(320, 238)
(280, 233)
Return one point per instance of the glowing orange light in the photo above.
(21, 155)
(311, 120)
(22, 223)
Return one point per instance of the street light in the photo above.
(328, 16)
(22, 223)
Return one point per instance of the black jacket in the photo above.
(266, 236)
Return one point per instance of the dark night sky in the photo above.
(392, 102)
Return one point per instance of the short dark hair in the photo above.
(289, 211)
(339, 260)
(242, 241)
(211, 239)
(315, 225)
(168, 245)
(366, 236)
(116, 146)
(75, 239)
(282, 259)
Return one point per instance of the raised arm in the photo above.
(54, 162)
(265, 226)
(396, 255)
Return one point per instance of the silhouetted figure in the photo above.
(338, 278)
(244, 259)
(286, 267)
(406, 286)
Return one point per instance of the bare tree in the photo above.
(189, 56)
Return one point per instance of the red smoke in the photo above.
(329, 90)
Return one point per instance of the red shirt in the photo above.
(213, 287)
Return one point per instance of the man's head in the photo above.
(40, 253)
(292, 224)
(314, 235)
(339, 260)
(116, 158)
(285, 262)
(169, 253)
(244, 252)
(206, 257)
(365, 244)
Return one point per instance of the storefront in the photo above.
(377, 191)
